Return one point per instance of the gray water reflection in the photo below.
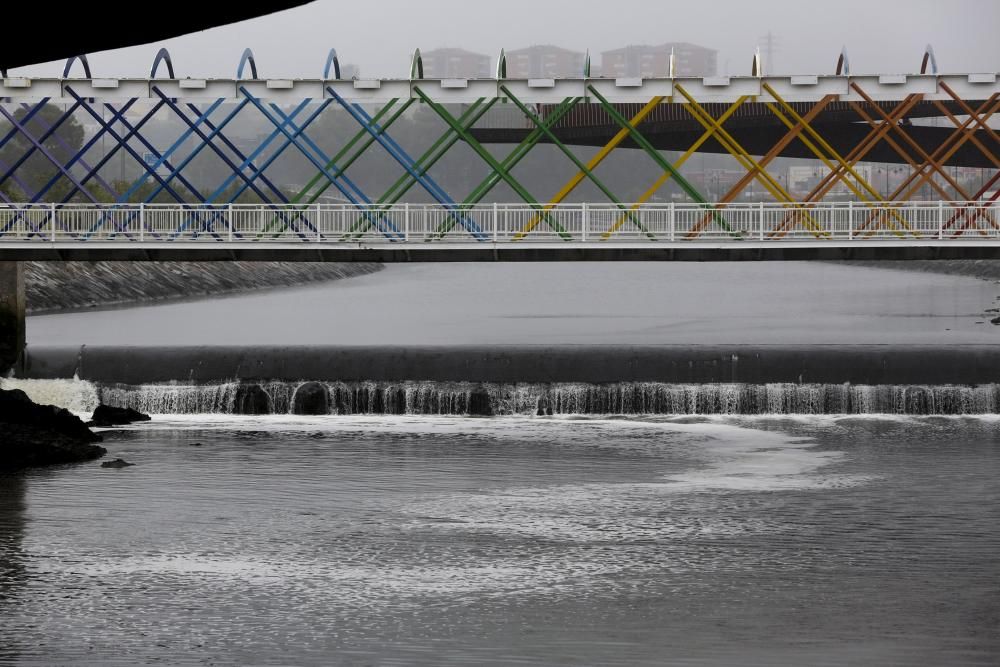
(396, 540)
(569, 303)
(12, 565)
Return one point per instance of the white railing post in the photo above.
(142, 221)
(586, 220)
(496, 221)
(940, 219)
(52, 212)
(850, 219)
(673, 219)
(406, 221)
(319, 228)
(760, 217)
(229, 213)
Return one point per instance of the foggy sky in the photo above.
(884, 36)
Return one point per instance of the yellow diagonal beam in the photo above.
(832, 152)
(744, 158)
(677, 165)
(594, 162)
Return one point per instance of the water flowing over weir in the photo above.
(348, 398)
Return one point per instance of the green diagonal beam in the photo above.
(491, 161)
(430, 157)
(576, 161)
(658, 159)
(513, 158)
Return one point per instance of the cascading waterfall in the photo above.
(352, 398)
(460, 398)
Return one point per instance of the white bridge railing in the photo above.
(499, 223)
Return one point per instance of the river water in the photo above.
(614, 303)
(432, 539)
(445, 540)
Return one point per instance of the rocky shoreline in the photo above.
(33, 435)
(60, 286)
(984, 269)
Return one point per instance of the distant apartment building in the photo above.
(544, 62)
(455, 64)
(641, 60)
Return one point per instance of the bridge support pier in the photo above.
(12, 307)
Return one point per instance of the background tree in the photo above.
(32, 174)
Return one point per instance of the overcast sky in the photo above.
(884, 36)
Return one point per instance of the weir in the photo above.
(12, 308)
(591, 364)
(499, 399)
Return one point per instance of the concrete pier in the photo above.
(12, 305)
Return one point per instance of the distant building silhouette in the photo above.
(654, 61)
(544, 62)
(455, 64)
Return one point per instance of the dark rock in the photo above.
(40, 435)
(24, 446)
(195, 444)
(543, 406)
(117, 463)
(480, 404)
(106, 415)
(251, 399)
(17, 408)
(995, 320)
(311, 398)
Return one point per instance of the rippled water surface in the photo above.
(432, 540)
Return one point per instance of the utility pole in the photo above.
(769, 44)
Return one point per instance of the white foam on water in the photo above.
(75, 395)
(569, 534)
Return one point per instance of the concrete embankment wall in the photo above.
(856, 364)
(53, 286)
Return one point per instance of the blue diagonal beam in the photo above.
(150, 170)
(405, 161)
(247, 161)
(175, 171)
(351, 191)
(79, 157)
(208, 143)
(258, 172)
(93, 171)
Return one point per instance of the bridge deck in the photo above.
(809, 88)
(500, 232)
(591, 251)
